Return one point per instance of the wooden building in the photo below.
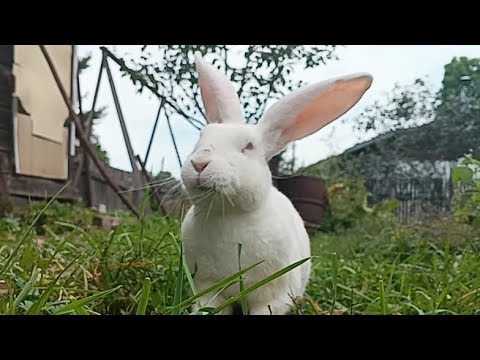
(38, 144)
(36, 140)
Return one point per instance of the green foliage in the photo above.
(51, 219)
(461, 74)
(348, 196)
(466, 181)
(349, 206)
(260, 73)
(458, 128)
(377, 266)
(161, 175)
(331, 170)
(382, 267)
(83, 63)
(90, 283)
(420, 131)
(403, 107)
(94, 138)
(462, 175)
(84, 270)
(451, 115)
(263, 72)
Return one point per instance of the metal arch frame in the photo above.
(138, 166)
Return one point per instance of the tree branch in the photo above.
(124, 67)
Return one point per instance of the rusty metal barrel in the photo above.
(309, 195)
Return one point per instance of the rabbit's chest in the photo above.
(212, 248)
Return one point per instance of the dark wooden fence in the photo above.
(419, 197)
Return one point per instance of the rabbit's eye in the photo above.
(249, 146)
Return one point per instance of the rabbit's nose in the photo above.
(200, 166)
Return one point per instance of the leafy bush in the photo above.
(466, 180)
(349, 206)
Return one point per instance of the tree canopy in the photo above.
(260, 73)
(417, 125)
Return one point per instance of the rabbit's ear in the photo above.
(308, 109)
(218, 94)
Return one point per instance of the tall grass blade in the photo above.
(186, 270)
(243, 301)
(26, 290)
(78, 305)
(228, 281)
(268, 279)
(144, 296)
(382, 298)
(335, 272)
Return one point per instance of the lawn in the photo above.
(59, 263)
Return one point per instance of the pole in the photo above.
(173, 140)
(83, 136)
(131, 154)
(153, 133)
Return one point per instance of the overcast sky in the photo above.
(388, 64)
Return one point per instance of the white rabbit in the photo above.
(229, 183)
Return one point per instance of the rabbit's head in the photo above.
(228, 169)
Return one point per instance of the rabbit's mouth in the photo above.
(203, 186)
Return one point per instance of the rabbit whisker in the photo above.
(229, 200)
(223, 206)
(210, 207)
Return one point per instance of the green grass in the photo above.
(64, 265)
(120, 260)
(381, 267)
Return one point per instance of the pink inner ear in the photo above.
(325, 108)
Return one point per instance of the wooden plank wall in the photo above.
(6, 145)
(21, 188)
(6, 126)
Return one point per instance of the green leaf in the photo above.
(144, 296)
(26, 289)
(462, 174)
(386, 206)
(27, 259)
(81, 311)
(79, 304)
(208, 310)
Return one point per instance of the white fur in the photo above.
(244, 207)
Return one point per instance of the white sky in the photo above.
(389, 64)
